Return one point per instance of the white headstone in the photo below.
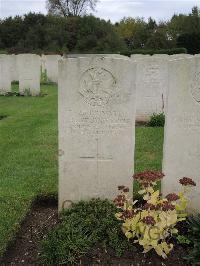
(182, 128)
(43, 64)
(29, 73)
(5, 75)
(151, 86)
(96, 127)
(13, 68)
(51, 65)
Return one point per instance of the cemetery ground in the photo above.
(29, 171)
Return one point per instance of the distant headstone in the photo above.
(43, 64)
(151, 85)
(29, 73)
(13, 68)
(182, 128)
(96, 127)
(5, 76)
(51, 66)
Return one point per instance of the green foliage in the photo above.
(157, 120)
(39, 33)
(194, 225)
(182, 239)
(82, 226)
(191, 41)
(154, 51)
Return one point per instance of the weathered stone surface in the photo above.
(13, 68)
(96, 127)
(29, 73)
(140, 56)
(95, 55)
(166, 56)
(182, 128)
(5, 76)
(51, 66)
(151, 84)
(179, 56)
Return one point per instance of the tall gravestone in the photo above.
(152, 78)
(13, 68)
(29, 73)
(182, 128)
(5, 76)
(51, 66)
(96, 127)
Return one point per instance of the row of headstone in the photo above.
(97, 103)
(151, 83)
(27, 69)
(24, 68)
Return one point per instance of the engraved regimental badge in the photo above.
(97, 86)
(195, 87)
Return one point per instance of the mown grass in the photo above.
(28, 155)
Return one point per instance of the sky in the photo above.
(114, 10)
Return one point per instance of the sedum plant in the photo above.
(152, 222)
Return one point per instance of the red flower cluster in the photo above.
(149, 206)
(148, 176)
(149, 220)
(187, 181)
(167, 206)
(127, 214)
(172, 197)
(123, 188)
(119, 200)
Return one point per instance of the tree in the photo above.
(191, 41)
(133, 31)
(70, 7)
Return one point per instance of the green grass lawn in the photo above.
(28, 155)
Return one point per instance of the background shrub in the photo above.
(153, 51)
(157, 120)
